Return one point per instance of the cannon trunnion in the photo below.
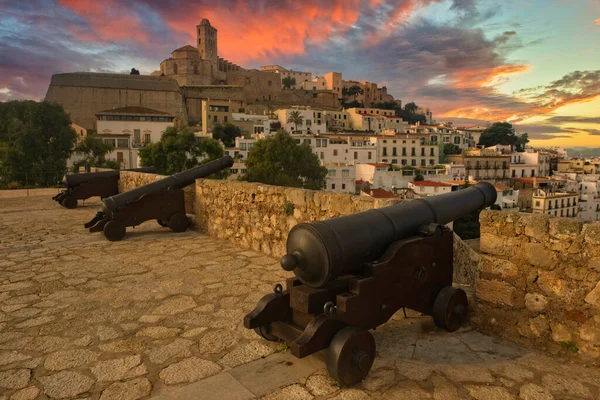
(83, 186)
(162, 200)
(354, 272)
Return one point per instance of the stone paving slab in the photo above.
(160, 314)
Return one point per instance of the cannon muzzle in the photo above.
(318, 252)
(72, 180)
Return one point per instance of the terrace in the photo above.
(159, 315)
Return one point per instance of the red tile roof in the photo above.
(360, 182)
(380, 193)
(379, 164)
(430, 183)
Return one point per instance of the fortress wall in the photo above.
(195, 95)
(82, 95)
(539, 282)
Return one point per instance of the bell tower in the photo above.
(207, 41)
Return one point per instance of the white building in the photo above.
(241, 149)
(341, 178)
(410, 150)
(556, 204)
(299, 76)
(237, 169)
(456, 172)
(589, 199)
(529, 164)
(431, 188)
(313, 121)
(128, 129)
(507, 198)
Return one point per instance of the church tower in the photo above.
(207, 41)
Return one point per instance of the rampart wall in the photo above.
(535, 281)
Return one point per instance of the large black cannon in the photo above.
(354, 272)
(84, 186)
(162, 200)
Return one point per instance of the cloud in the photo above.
(598, 21)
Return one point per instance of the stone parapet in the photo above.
(260, 216)
(539, 281)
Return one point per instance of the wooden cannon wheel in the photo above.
(350, 355)
(450, 308)
(69, 202)
(179, 222)
(162, 223)
(264, 332)
(114, 230)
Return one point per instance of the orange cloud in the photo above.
(598, 21)
(488, 76)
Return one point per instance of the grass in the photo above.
(288, 207)
(570, 346)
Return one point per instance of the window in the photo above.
(369, 155)
(404, 151)
(513, 173)
(432, 152)
(345, 173)
(433, 138)
(385, 150)
(225, 119)
(308, 122)
(457, 140)
(242, 146)
(532, 173)
(356, 155)
(431, 162)
(422, 152)
(333, 186)
(307, 141)
(335, 153)
(394, 152)
(120, 157)
(537, 203)
(215, 119)
(413, 162)
(174, 68)
(324, 142)
(413, 152)
(343, 186)
(422, 163)
(270, 83)
(136, 136)
(322, 156)
(403, 161)
(109, 142)
(147, 138)
(123, 143)
(318, 142)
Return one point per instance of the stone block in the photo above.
(534, 226)
(591, 233)
(590, 332)
(564, 228)
(593, 297)
(497, 245)
(497, 266)
(560, 333)
(594, 263)
(535, 302)
(551, 285)
(536, 254)
(539, 325)
(497, 292)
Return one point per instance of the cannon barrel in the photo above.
(319, 252)
(175, 181)
(73, 180)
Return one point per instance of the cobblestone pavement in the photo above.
(160, 314)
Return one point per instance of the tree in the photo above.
(226, 133)
(419, 177)
(35, 138)
(503, 133)
(288, 82)
(279, 160)
(134, 72)
(410, 108)
(450, 148)
(295, 118)
(352, 91)
(179, 149)
(93, 150)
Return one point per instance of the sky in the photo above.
(534, 63)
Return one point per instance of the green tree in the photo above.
(279, 160)
(503, 133)
(94, 151)
(134, 72)
(226, 133)
(288, 82)
(352, 91)
(35, 138)
(450, 148)
(295, 118)
(419, 177)
(179, 149)
(410, 108)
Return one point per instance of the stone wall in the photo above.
(539, 282)
(260, 216)
(131, 180)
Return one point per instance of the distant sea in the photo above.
(583, 151)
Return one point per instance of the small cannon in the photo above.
(353, 273)
(84, 186)
(161, 200)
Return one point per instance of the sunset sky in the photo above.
(535, 63)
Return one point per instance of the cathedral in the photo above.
(201, 65)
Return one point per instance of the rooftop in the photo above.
(132, 111)
(431, 183)
(379, 193)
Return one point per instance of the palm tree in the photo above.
(296, 119)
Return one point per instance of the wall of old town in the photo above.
(535, 280)
(539, 281)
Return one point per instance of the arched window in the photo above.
(175, 68)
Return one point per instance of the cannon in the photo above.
(353, 273)
(161, 200)
(84, 186)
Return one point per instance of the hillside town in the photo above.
(367, 149)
